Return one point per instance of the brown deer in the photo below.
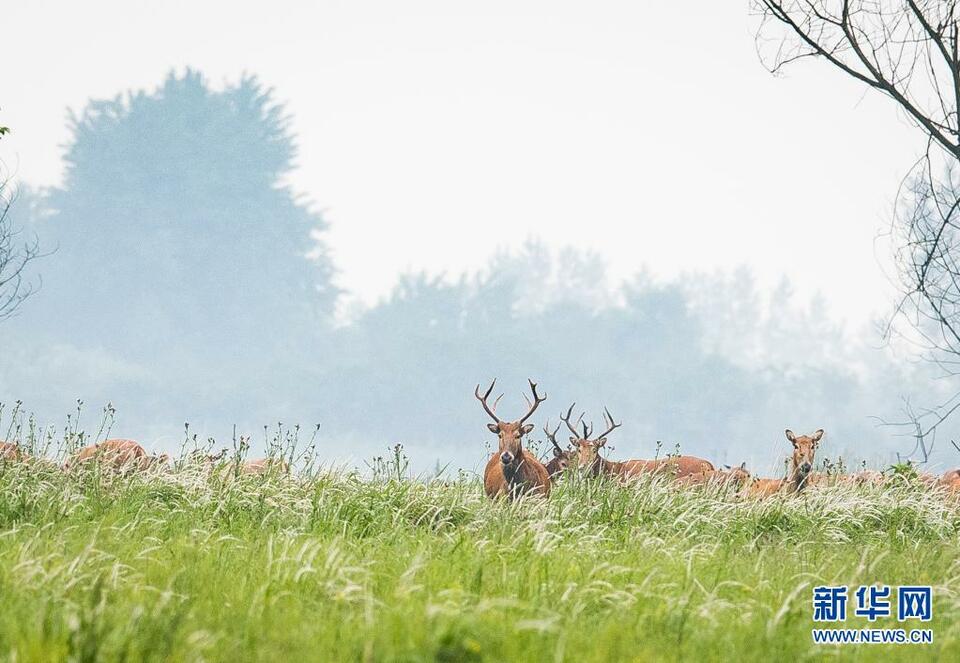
(513, 471)
(261, 466)
(951, 481)
(561, 457)
(591, 462)
(734, 477)
(801, 467)
(115, 454)
(11, 451)
(862, 478)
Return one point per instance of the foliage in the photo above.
(174, 210)
(199, 565)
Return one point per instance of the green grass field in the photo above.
(327, 566)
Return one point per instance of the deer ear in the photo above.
(525, 429)
(743, 465)
(602, 441)
(573, 440)
(791, 436)
(494, 428)
(818, 435)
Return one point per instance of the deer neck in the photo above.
(798, 480)
(518, 471)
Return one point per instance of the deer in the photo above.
(561, 457)
(950, 480)
(11, 451)
(513, 471)
(735, 477)
(801, 467)
(116, 454)
(591, 462)
(262, 466)
(863, 478)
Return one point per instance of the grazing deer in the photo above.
(951, 480)
(261, 466)
(735, 477)
(203, 459)
(116, 454)
(929, 480)
(801, 466)
(513, 471)
(11, 451)
(159, 461)
(862, 478)
(561, 457)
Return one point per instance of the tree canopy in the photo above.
(184, 185)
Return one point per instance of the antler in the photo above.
(587, 432)
(553, 436)
(483, 400)
(608, 420)
(566, 420)
(536, 401)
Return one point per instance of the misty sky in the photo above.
(431, 133)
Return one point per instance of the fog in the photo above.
(188, 282)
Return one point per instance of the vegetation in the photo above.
(201, 564)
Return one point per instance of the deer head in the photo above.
(738, 476)
(509, 432)
(804, 448)
(561, 456)
(588, 447)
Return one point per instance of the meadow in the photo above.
(329, 564)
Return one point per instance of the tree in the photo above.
(174, 221)
(908, 50)
(14, 257)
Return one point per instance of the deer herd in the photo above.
(513, 471)
(128, 456)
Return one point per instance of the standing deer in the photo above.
(561, 457)
(513, 471)
(591, 462)
(801, 466)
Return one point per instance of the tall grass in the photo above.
(328, 565)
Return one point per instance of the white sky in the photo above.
(434, 132)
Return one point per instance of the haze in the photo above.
(432, 133)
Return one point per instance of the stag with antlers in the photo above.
(590, 461)
(561, 457)
(588, 448)
(513, 471)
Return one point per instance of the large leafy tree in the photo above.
(173, 222)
